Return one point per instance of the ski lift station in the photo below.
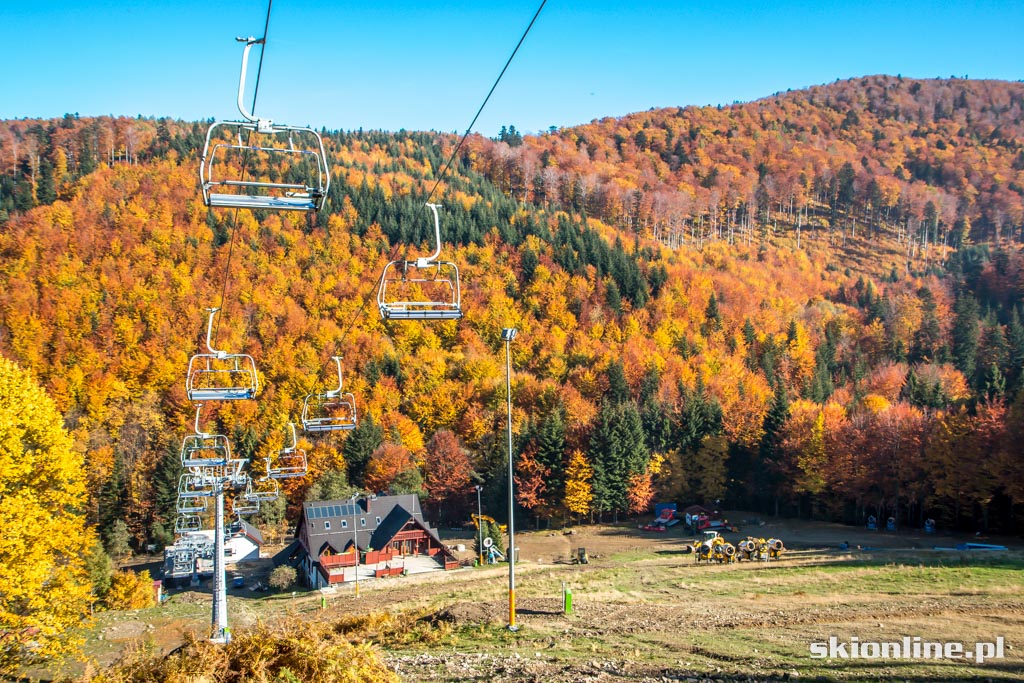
(191, 558)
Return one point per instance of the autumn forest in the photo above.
(807, 305)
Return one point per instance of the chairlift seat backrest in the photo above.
(222, 189)
(205, 450)
(231, 474)
(201, 450)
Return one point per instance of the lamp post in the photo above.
(355, 537)
(479, 527)
(507, 335)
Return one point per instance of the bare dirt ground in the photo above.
(643, 610)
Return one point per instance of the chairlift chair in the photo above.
(241, 505)
(263, 488)
(219, 375)
(229, 475)
(423, 289)
(329, 411)
(290, 461)
(190, 505)
(193, 486)
(296, 148)
(186, 523)
(204, 450)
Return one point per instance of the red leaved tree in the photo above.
(448, 475)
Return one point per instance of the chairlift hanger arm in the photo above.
(338, 391)
(246, 114)
(221, 355)
(424, 261)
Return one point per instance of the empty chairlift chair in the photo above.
(202, 450)
(241, 505)
(290, 462)
(329, 411)
(248, 502)
(218, 375)
(192, 495)
(185, 524)
(276, 167)
(424, 289)
(190, 506)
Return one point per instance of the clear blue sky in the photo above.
(427, 66)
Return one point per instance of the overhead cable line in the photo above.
(479, 111)
(455, 152)
(245, 162)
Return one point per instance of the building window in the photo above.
(327, 526)
(344, 524)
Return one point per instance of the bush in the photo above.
(118, 541)
(100, 568)
(282, 577)
(129, 590)
(291, 652)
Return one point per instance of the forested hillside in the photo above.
(810, 303)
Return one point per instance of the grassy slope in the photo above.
(650, 613)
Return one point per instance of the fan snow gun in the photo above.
(714, 550)
(760, 548)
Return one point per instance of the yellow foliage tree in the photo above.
(44, 588)
(578, 492)
(129, 590)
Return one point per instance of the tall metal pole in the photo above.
(479, 527)
(355, 540)
(221, 634)
(508, 334)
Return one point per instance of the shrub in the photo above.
(129, 590)
(282, 577)
(290, 652)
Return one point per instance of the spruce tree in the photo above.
(965, 334)
(618, 388)
(1015, 352)
(359, 446)
(774, 420)
(166, 475)
(750, 339)
(601, 459)
(112, 496)
(712, 317)
(928, 337)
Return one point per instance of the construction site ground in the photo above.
(643, 610)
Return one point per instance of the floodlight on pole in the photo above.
(479, 527)
(355, 537)
(507, 335)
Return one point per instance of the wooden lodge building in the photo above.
(388, 530)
